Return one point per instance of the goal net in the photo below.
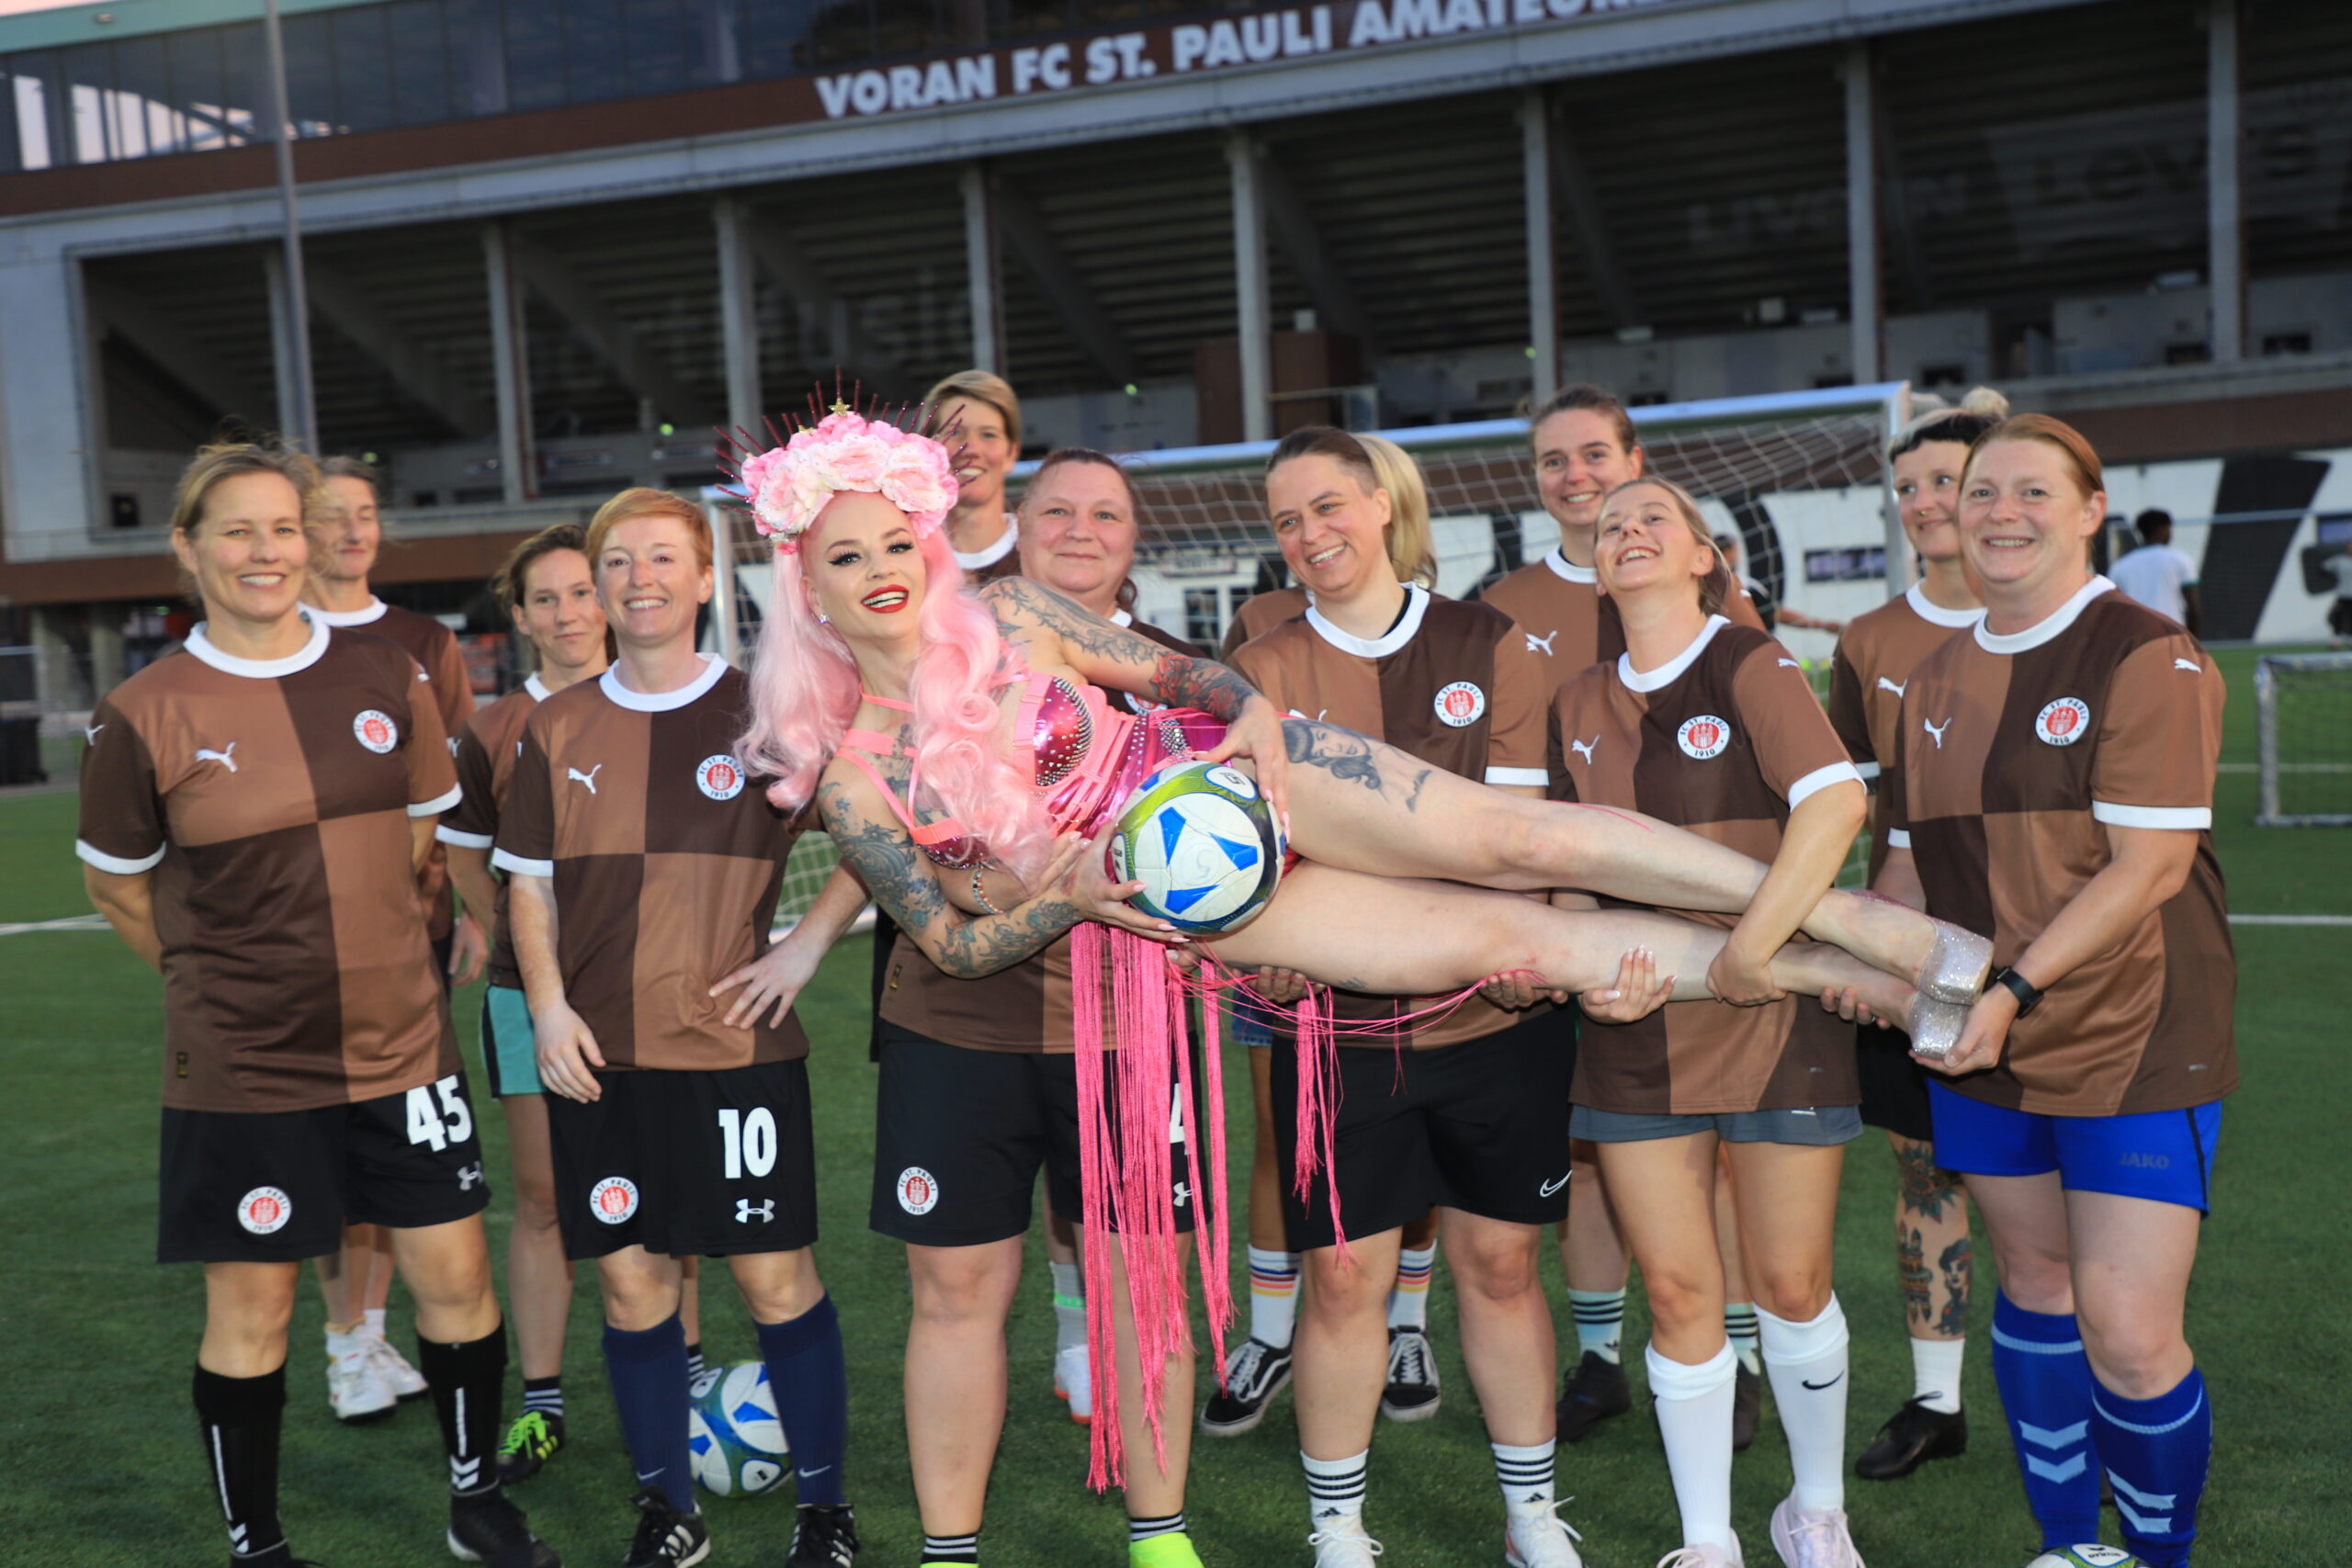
(1798, 478)
(2304, 705)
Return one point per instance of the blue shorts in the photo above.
(510, 1055)
(2166, 1157)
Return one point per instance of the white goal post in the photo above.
(2303, 711)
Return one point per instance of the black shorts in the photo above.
(1894, 1087)
(276, 1187)
(688, 1164)
(2339, 617)
(958, 1135)
(1482, 1126)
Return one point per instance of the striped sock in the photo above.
(951, 1549)
(1600, 1324)
(1144, 1529)
(1747, 1343)
(544, 1395)
(1524, 1471)
(1274, 1296)
(1334, 1487)
(695, 1368)
(1408, 1303)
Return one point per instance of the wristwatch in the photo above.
(2027, 994)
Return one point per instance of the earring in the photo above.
(824, 619)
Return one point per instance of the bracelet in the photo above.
(2027, 994)
(978, 894)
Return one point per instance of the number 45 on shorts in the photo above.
(439, 1125)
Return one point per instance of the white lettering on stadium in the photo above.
(1300, 32)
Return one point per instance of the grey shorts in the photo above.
(1830, 1126)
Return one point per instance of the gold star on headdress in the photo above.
(839, 407)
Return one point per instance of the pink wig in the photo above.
(805, 691)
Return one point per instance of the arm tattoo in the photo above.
(1347, 756)
(1113, 656)
(1182, 682)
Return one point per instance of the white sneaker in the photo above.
(1813, 1537)
(1342, 1544)
(356, 1390)
(1540, 1539)
(405, 1381)
(1074, 1382)
(1700, 1557)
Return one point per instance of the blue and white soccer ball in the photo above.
(736, 1442)
(1203, 841)
(2088, 1556)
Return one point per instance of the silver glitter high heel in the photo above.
(1934, 1026)
(1957, 965)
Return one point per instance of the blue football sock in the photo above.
(2045, 1382)
(648, 1372)
(810, 1380)
(2156, 1452)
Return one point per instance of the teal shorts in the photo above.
(510, 1057)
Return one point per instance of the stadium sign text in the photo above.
(1188, 49)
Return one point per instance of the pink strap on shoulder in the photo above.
(872, 740)
(946, 830)
(892, 703)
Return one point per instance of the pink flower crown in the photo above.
(784, 488)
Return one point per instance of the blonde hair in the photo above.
(978, 387)
(1411, 548)
(1715, 588)
(211, 465)
(644, 501)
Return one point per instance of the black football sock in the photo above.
(544, 1395)
(239, 1420)
(808, 1378)
(469, 1381)
(694, 1361)
(953, 1549)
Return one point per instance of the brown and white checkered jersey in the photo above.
(1259, 613)
(1453, 685)
(1724, 740)
(272, 800)
(1026, 1009)
(991, 562)
(2015, 756)
(488, 745)
(434, 647)
(1565, 618)
(666, 861)
(1876, 654)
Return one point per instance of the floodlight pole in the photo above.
(301, 402)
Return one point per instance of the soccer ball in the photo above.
(2089, 1556)
(736, 1442)
(1202, 841)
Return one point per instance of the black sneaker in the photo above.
(1746, 1408)
(1593, 1393)
(1912, 1436)
(530, 1442)
(1411, 1394)
(666, 1538)
(824, 1538)
(1254, 1372)
(492, 1530)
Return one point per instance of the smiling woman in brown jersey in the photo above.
(254, 809)
(1713, 727)
(2053, 788)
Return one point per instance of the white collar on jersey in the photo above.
(1934, 615)
(369, 617)
(309, 654)
(1409, 625)
(1568, 571)
(2046, 628)
(989, 554)
(1672, 669)
(713, 667)
(1121, 618)
(537, 688)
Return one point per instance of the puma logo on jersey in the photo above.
(227, 758)
(90, 732)
(1937, 730)
(588, 778)
(1886, 685)
(2189, 664)
(1543, 642)
(1584, 749)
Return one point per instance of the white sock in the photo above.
(1807, 1362)
(1069, 1305)
(1694, 1417)
(341, 1345)
(1409, 1301)
(1600, 1324)
(1935, 1373)
(1524, 1473)
(1334, 1488)
(374, 1320)
(1274, 1296)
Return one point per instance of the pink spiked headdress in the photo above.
(784, 488)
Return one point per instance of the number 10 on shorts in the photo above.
(750, 1141)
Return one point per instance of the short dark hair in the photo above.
(1594, 400)
(342, 468)
(510, 581)
(2152, 524)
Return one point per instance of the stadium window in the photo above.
(533, 40)
(143, 122)
(32, 80)
(244, 78)
(12, 150)
(1202, 622)
(89, 85)
(310, 74)
(595, 56)
(195, 59)
(776, 37)
(2285, 342)
(656, 32)
(362, 76)
(1026, 19)
(418, 61)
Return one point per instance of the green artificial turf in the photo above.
(97, 1445)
